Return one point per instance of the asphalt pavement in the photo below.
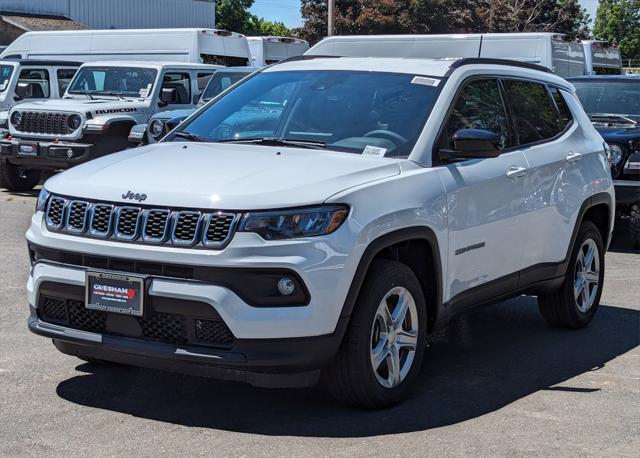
(498, 382)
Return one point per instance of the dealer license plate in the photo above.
(115, 293)
(28, 149)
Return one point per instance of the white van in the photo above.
(270, 50)
(207, 46)
(601, 58)
(562, 54)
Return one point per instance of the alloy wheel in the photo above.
(587, 277)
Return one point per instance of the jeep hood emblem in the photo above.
(134, 196)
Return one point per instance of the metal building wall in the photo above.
(48, 7)
(121, 14)
(135, 14)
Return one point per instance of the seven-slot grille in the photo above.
(149, 225)
(44, 123)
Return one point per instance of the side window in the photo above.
(534, 115)
(65, 75)
(179, 87)
(203, 80)
(33, 83)
(564, 112)
(479, 106)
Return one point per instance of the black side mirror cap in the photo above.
(174, 122)
(474, 144)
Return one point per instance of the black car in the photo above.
(613, 104)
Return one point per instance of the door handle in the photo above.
(573, 157)
(516, 172)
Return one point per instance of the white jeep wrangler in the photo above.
(102, 103)
(319, 220)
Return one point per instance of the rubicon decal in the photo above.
(116, 110)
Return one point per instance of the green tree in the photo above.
(233, 14)
(618, 21)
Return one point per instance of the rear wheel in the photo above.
(16, 178)
(382, 351)
(576, 302)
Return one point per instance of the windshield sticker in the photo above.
(424, 81)
(3, 86)
(144, 92)
(374, 151)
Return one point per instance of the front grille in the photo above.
(77, 216)
(185, 228)
(170, 328)
(55, 212)
(128, 220)
(35, 122)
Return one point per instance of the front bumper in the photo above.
(627, 192)
(260, 362)
(45, 154)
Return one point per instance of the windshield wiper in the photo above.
(612, 117)
(191, 137)
(272, 141)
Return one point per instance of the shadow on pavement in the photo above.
(484, 361)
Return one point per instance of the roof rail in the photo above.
(490, 61)
(306, 57)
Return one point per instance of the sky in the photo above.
(288, 11)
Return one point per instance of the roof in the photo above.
(159, 66)
(41, 62)
(218, 32)
(35, 23)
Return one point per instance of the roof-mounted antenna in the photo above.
(480, 48)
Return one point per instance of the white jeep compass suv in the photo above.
(318, 221)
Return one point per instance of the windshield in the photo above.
(5, 76)
(114, 81)
(221, 81)
(378, 113)
(607, 97)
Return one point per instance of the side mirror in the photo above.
(167, 95)
(175, 122)
(474, 144)
(196, 98)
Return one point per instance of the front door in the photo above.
(485, 202)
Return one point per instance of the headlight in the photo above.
(615, 154)
(157, 128)
(287, 224)
(74, 122)
(16, 118)
(41, 203)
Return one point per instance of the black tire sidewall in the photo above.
(385, 275)
(10, 179)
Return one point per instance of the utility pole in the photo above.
(331, 14)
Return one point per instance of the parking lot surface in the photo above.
(499, 381)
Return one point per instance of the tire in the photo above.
(566, 309)
(351, 378)
(634, 225)
(14, 178)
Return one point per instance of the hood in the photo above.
(619, 134)
(96, 107)
(221, 176)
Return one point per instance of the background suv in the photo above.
(319, 220)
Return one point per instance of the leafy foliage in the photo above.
(234, 15)
(618, 21)
(445, 16)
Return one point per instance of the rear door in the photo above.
(553, 183)
(485, 201)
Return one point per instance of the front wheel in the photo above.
(15, 178)
(576, 302)
(382, 351)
